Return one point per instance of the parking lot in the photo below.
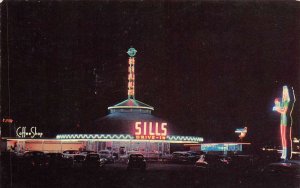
(157, 174)
(116, 175)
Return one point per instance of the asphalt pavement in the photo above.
(156, 175)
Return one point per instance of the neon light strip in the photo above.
(126, 140)
(94, 136)
(226, 143)
(137, 107)
(185, 138)
(122, 137)
(145, 104)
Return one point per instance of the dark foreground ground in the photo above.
(156, 175)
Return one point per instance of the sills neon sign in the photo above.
(22, 133)
(150, 130)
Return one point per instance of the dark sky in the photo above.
(207, 67)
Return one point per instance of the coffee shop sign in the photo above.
(22, 132)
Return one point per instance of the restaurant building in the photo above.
(129, 127)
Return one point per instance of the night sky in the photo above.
(207, 67)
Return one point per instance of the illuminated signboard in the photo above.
(150, 131)
(21, 132)
(221, 147)
(242, 132)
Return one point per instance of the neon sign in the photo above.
(242, 132)
(150, 130)
(22, 133)
(7, 120)
(284, 107)
(131, 61)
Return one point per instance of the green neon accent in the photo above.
(144, 104)
(136, 102)
(129, 107)
(283, 117)
(126, 137)
(131, 52)
(94, 136)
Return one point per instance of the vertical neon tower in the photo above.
(131, 61)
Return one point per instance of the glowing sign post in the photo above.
(150, 130)
(285, 108)
(242, 132)
(131, 61)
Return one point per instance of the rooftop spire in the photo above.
(131, 61)
(131, 104)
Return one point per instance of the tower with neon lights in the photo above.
(131, 104)
(131, 76)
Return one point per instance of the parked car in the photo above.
(93, 160)
(185, 157)
(212, 161)
(108, 155)
(70, 153)
(179, 157)
(33, 159)
(194, 156)
(86, 152)
(56, 160)
(136, 161)
(78, 160)
(54, 155)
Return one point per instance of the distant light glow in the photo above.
(295, 140)
(7, 120)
